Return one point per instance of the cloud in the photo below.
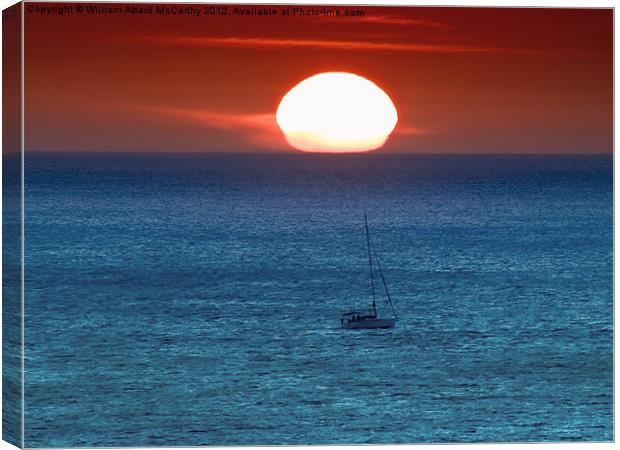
(222, 120)
(268, 43)
(403, 21)
(260, 129)
(409, 130)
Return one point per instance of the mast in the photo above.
(372, 279)
(387, 292)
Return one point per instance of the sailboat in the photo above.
(368, 320)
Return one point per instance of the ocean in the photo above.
(196, 299)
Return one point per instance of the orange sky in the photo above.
(463, 79)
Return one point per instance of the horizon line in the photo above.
(293, 152)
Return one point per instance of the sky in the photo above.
(463, 80)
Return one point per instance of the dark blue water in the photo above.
(186, 300)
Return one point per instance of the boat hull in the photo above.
(368, 323)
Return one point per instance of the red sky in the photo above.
(490, 80)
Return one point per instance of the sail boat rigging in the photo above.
(361, 320)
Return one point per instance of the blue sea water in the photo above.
(195, 299)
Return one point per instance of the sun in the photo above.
(336, 112)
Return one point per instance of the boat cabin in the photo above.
(355, 316)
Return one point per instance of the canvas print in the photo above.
(229, 224)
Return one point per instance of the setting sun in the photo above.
(336, 112)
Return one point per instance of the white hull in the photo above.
(368, 323)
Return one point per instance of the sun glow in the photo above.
(336, 112)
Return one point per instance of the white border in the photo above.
(23, 222)
(514, 3)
